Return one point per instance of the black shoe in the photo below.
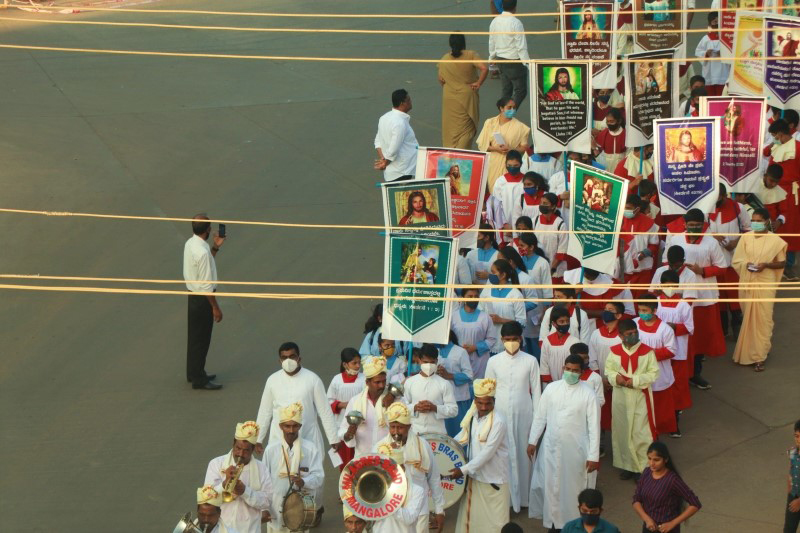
(208, 385)
(699, 382)
(625, 475)
(209, 377)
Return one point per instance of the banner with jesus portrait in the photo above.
(588, 26)
(561, 107)
(410, 206)
(782, 76)
(687, 164)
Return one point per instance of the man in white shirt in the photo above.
(504, 45)
(430, 397)
(292, 384)
(200, 273)
(253, 490)
(485, 505)
(371, 404)
(209, 512)
(395, 141)
(294, 463)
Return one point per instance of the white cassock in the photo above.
(555, 351)
(439, 392)
(405, 519)
(308, 466)
(484, 506)
(516, 399)
(283, 390)
(572, 420)
(374, 427)
(243, 513)
(342, 392)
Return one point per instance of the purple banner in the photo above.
(686, 164)
(741, 130)
(782, 76)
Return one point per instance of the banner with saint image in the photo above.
(651, 93)
(727, 22)
(464, 172)
(597, 203)
(561, 109)
(588, 27)
(413, 265)
(419, 207)
(741, 131)
(656, 28)
(782, 76)
(747, 69)
(687, 164)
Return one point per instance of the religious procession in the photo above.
(556, 290)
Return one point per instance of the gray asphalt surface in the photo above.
(100, 432)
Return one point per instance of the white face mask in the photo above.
(668, 291)
(511, 347)
(289, 365)
(351, 372)
(428, 369)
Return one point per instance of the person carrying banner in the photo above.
(783, 218)
(553, 244)
(507, 188)
(785, 151)
(610, 142)
(715, 72)
(514, 136)
(639, 248)
(633, 169)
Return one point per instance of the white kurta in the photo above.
(513, 309)
(310, 469)
(571, 417)
(370, 432)
(342, 392)
(436, 390)
(404, 520)
(243, 513)
(479, 333)
(517, 398)
(555, 351)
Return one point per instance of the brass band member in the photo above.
(209, 512)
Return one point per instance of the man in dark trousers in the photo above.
(200, 273)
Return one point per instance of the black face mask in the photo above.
(613, 127)
(590, 519)
(471, 305)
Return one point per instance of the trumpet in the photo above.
(228, 494)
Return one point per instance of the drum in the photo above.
(298, 511)
(448, 455)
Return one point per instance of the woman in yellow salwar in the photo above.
(460, 84)
(515, 136)
(759, 257)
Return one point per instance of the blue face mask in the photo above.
(415, 368)
(512, 170)
(494, 279)
(510, 113)
(758, 226)
(529, 190)
(647, 317)
(608, 316)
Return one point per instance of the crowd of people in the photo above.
(549, 365)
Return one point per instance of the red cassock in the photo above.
(790, 207)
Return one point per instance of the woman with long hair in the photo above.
(460, 84)
(344, 385)
(474, 329)
(481, 257)
(662, 499)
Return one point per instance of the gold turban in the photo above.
(207, 494)
(247, 431)
(292, 413)
(484, 387)
(398, 412)
(373, 366)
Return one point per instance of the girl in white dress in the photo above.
(481, 258)
(533, 303)
(509, 307)
(344, 385)
(475, 331)
(554, 245)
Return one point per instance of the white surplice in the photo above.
(569, 417)
(517, 398)
(342, 392)
(243, 513)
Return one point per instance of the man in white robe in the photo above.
(370, 404)
(209, 514)
(253, 491)
(406, 447)
(569, 417)
(484, 506)
(430, 397)
(518, 390)
(291, 384)
(294, 464)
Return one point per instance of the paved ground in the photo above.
(100, 432)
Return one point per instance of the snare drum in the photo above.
(298, 511)
(448, 455)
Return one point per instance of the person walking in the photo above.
(792, 518)
(460, 102)
(507, 42)
(200, 273)
(395, 141)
